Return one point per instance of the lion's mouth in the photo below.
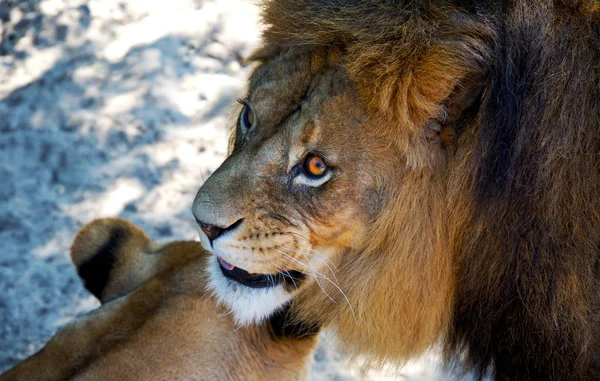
(292, 277)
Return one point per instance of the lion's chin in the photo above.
(249, 304)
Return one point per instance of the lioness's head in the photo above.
(298, 189)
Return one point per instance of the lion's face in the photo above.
(297, 191)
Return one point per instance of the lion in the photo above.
(158, 321)
(427, 170)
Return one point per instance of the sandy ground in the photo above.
(114, 108)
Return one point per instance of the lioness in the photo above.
(430, 168)
(158, 321)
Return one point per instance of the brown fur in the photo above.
(166, 326)
(464, 138)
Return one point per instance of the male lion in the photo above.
(430, 170)
(158, 322)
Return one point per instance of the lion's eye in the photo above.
(312, 171)
(246, 118)
(314, 166)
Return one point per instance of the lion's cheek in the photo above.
(348, 231)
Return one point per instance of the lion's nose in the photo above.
(213, 232)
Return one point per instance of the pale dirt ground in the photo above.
(114, 108)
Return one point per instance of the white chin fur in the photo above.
(249, 305)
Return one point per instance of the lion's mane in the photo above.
(500, 239)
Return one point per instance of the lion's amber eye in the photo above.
(314, 166)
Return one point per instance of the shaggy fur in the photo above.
(157, 320)
(476, 222)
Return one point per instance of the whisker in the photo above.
(316, 257)
(306, 239)
(280, 271)
(307, 265)
(327, 279)
(313, 275)
(291, 278)
(322, 288)
(226, 313)
(345, 297)
(292, 258)
(317, 280)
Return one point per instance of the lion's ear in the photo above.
(409, 83)
(459, 109)
(447, 81)
(464, 100)
(105, 251)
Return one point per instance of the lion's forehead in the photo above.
(319, 123)
(287, 83)
(278, 86)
